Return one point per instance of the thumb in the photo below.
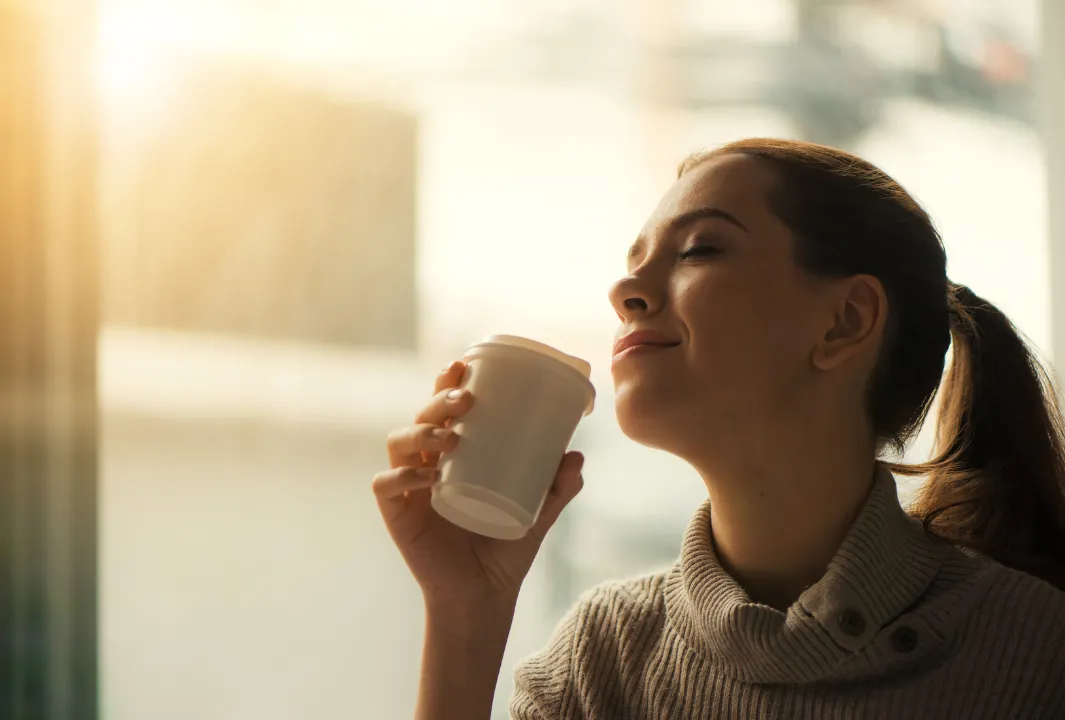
(568, 482)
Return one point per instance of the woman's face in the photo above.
(732, 318)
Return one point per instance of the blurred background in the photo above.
(285, 216)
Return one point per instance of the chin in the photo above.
(648, 418)
(675, 420)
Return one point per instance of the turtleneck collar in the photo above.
(865, 616)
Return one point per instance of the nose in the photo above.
(632, 297)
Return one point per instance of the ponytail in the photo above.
(997, 485)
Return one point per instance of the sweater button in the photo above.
(904, 639)
(851, 622)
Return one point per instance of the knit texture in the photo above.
(900, 626)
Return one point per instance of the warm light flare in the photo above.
(134, 64)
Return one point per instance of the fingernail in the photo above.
(443, 434)
(456, 394)
(428, 473)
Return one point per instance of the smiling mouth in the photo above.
(642, 349)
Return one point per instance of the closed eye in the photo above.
(699, 251)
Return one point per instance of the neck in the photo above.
(780, 514)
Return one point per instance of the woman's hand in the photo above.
(458, 571)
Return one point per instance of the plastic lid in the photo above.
(576, 363)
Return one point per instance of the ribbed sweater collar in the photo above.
(862, 618)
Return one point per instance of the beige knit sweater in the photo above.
(900, 626)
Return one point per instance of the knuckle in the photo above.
(397, 436)
(380, 480)
(407, 474)
(432, 409)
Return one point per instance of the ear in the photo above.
(857, 313)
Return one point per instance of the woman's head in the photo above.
(789, 283)
(806, 277)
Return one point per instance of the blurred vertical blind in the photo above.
(48, 330)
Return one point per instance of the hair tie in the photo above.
(956, 294)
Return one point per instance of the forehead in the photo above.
(738, 184)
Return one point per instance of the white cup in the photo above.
(528, 400)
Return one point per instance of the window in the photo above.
(308, 208)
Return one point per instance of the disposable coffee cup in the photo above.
(528, 399)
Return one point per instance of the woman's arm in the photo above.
(470, 582)
(460, 661)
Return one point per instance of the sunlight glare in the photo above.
(134, 65)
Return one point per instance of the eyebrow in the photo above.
(687, 219)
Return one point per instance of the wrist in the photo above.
(463, 651)
(478, 616)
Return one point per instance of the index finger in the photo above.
(451, 377)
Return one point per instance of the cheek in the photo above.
(744, 335)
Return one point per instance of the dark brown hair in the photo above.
(997, 483)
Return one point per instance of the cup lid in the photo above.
(581, 366)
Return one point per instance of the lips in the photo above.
(640, 338)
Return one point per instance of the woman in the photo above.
(793, 312)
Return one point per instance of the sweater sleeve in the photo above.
(542, 681)
(579, 673)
